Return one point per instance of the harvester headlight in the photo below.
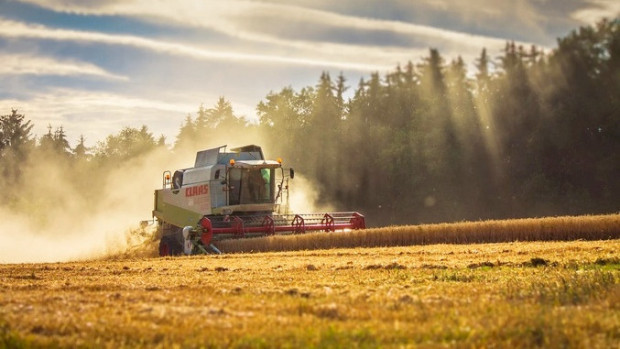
(232, 162)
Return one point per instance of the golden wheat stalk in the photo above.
(598, 227)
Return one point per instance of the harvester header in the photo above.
(234, 194)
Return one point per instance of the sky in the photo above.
(94, 67)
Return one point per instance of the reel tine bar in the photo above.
(241, 226)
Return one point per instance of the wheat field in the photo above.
(511, 294)
(595, 227)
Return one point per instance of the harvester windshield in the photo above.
(251, 186)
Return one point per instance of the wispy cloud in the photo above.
(598, 10)
(94, 113)
(264, 22)
(22, 64)
(288, 29)
(14, 29)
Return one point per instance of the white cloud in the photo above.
(97, 114)
(598, 10)
(21, 64)
(250, 21)
(13, 29)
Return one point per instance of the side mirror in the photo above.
(292, 173)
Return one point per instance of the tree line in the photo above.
(528, 133)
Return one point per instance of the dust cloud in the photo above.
(304, 198)
(62, 214)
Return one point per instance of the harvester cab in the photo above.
(232, 195)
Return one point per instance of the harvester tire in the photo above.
(169, 246)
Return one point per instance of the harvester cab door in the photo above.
(234, 184)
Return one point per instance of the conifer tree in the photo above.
(80, 150)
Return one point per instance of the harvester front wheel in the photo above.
(169, 246)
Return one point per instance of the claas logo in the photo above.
(197, 190)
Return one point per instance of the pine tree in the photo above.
(161, 142)
(189, 130)
(15, 133)
(340, 90)
(222, 117)
(61, 144)
(46, 142)
(483, 76)
(16, 143)
(80, 150)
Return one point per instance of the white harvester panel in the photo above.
(195, 198)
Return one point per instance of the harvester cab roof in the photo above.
(220, 156)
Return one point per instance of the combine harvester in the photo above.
(233, 194)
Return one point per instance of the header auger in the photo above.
(235, 194)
